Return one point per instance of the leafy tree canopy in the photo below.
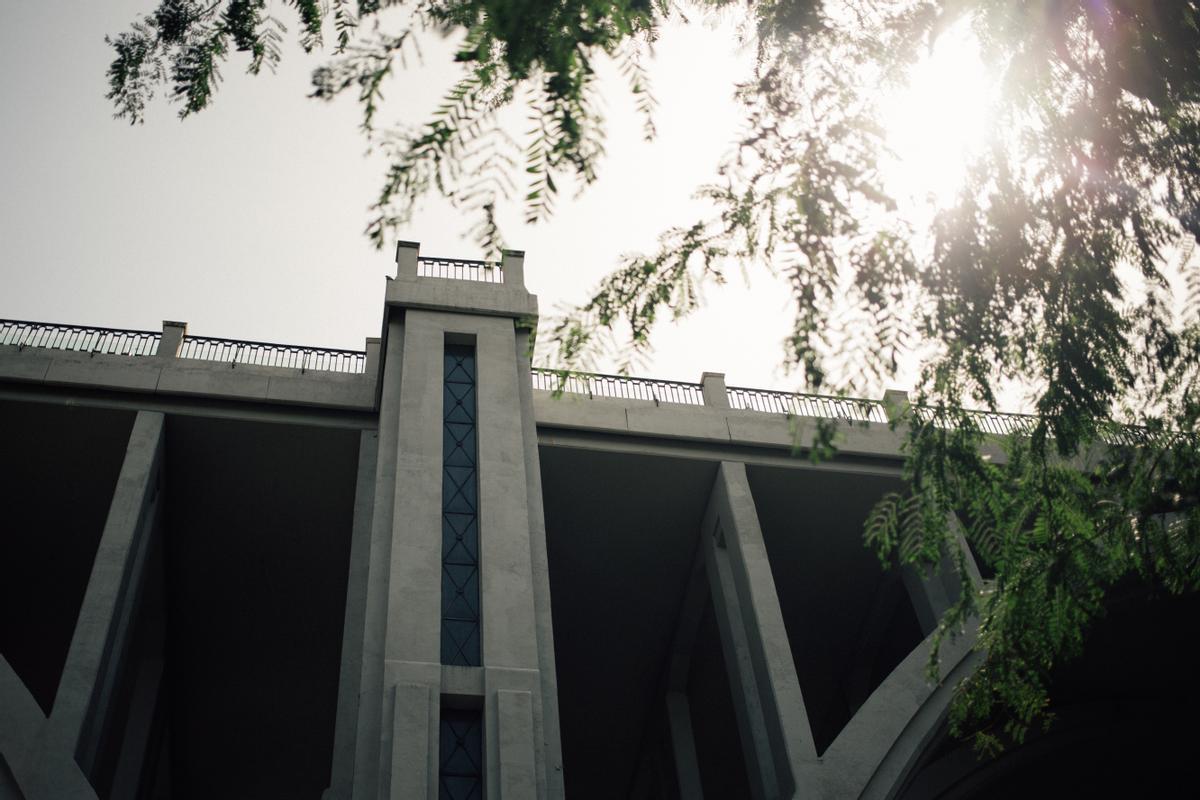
(1047, 270)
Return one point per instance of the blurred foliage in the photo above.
(1047, 271)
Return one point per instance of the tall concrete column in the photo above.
(405, 684)
(372, 700)
(49, 757)
(550, 742)
(773, 724)
(354, 626)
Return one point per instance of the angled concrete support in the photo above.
(102, 631)
(31, 766)
(773, 723)
(933, 589)
(683, 746)
(50, 757)
(677, 706)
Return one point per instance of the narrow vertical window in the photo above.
(460, 511)
(460, 757)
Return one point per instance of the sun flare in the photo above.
(939, 120)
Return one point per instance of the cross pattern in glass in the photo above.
(460, 769)
(460, 513)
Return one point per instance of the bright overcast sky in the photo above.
(246, 220)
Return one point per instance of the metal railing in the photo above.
(267, 354)
(460, 269)
(79, 338)
(1128, 435)
(806, 405)
(1000, 423)
(595, 385)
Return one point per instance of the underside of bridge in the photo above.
(233, 659)
(1124, 718)
(621, 535)
(623, 532)
(61, 466)
(257, 551)
(229, 685)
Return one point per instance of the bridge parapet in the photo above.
(624, 387)
(460, 269)
(173, 342)
(170, 363)
(78, 338)
(270, 354)
(800, 404)
(709, 392)
(462, 285)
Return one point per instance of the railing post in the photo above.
(513, 267)
(371, 366)
(895, 404)
(172, 338)
(406, 260)
(712, 387)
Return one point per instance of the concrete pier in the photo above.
(427, 569)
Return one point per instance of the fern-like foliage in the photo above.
(538, 52)
(1048, 270)
(1024, 278)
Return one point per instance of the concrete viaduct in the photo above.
(424, 569)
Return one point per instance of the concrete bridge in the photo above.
(424, 569)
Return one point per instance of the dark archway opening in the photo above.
(1125, 718)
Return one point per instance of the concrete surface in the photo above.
(392, 685)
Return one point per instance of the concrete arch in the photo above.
(874, 753)
(1123, 719)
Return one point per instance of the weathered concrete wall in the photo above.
(186, 378)
(778, 746)
(392, 683)
(373, 704)
(509, 680)
(164, 374)
(349, 685)
(715, 424)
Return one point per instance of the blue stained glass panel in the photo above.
(460, 755)
(460, 511)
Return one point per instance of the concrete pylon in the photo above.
(456, 671)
